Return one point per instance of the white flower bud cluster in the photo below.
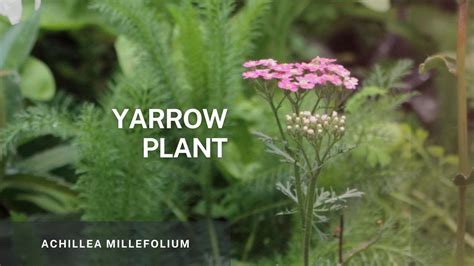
(315, 126)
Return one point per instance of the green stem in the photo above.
(308, 226)
(3, 115)
(341, 239)
(3, 121)
(462, 125)
(298, 183)
(260, 210)
(277, 119)
(176, 210)
(305, 156)
(281, 102)
(462, 88)
(294, 104)
(299, 192)
(316, 104)
(204, 177)
(213, 237)
(251, 240)
(461, 227)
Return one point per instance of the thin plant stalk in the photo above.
(308, 223)
(341, 240)
(298, 182)
(304, 208)
(3, 119)
(308, 226)
(204, 178)
(462, 126)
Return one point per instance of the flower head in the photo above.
(305, 83)
(314, 127)
(287, 84)
(250, 75)
(301, 76)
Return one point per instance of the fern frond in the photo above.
(244, 29)
(137, 91)
(115, 182)
(190, 43)
(390, 77)
(217, 42)
(140, 23)
(36, 122)
(246, 23)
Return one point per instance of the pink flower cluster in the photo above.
(301, 76)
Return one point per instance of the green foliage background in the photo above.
(63, 70)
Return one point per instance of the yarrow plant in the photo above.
(309, 138)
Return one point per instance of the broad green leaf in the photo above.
(64, 14)
(18, 216)
(10, 95)
(51, 159)
(442, 59)
(45, 203)
(4, 27)
(237, 164)
(17, 42)
(37, 81)
(39, 190)
(126, 52)
(377, 5)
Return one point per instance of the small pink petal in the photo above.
(351, 83)
(322, 60)
(267, 76)
(282, 67)
(296, 71)
(287, 84)
(305, 84)
(281, 75)
(311, 77)
(267, 62)
(250, 75)
(251, 63)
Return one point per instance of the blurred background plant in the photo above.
(62, 69)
